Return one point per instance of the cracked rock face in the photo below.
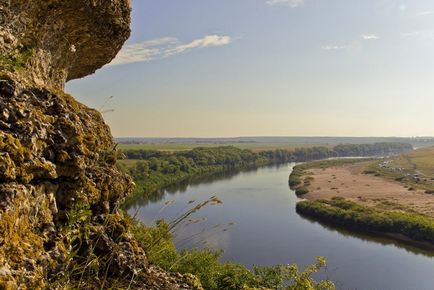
(60, 190)
(56, 157)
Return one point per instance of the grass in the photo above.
(301, 191)
(18, 59)
(127, 163)
(421, 160)
(323, 164)
(205, 264)
(405, 167)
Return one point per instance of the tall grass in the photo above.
(206, 265)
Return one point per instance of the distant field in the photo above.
(127, 163)
(184, 147)
(415, 169)
(421, 160)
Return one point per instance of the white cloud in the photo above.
(160, 41)
(290, 3)
(370, 37)
(209, 40)
(403, 7)
(164, 47)
(425, 13)
(334, 47)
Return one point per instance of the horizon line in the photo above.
(271, 136)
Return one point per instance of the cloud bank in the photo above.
(290, 3)
(165, 47)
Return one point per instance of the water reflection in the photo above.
(268, 231)
(183, 186)
(410, 246)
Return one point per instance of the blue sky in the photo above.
(208, 68)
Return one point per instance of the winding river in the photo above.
(257, 224)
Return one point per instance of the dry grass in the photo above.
(421, 160)
(349, 182)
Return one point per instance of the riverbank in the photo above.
(344, 193)
(395, 224)
(153, 170)
(259, 225)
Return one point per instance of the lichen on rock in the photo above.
(60, 191)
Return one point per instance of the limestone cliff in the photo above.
(60, 191)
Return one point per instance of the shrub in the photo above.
(301, 191)
(294, 180)
(349, 214)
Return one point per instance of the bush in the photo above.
(301, 191)
(339, 211)
(294, 180)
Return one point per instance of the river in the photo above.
(257, 225)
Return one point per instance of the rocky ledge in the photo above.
(58, 40)
(60, 191)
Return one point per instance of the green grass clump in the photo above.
(301, 191)
(295, 176)
(205, 264)
(294, 180)
(17, 60)
(339, 211)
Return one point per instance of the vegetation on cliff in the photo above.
(215, 275)
(60, 191)
(60, 194)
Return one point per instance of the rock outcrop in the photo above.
(62, 40)
(60, 191)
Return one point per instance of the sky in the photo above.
(229, 68)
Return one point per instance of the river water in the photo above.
(257, 225)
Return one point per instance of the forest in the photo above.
(153, 169)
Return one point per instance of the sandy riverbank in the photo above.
(348, 181)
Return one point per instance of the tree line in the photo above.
(232, 157)
(153, 170)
